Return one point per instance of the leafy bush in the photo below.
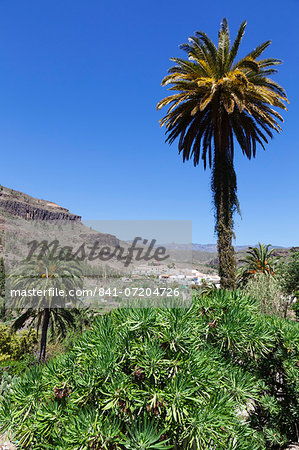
(296, 305)
(15, 356)
(6, 384)
(290, 274)
(218, 375)
(267, 291)
(14, 345)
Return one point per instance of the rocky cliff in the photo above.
(17, 204)
(22, 205)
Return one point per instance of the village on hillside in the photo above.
(173, 274)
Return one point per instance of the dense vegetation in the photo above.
(218, 375)
(272, 281)
(15, 345)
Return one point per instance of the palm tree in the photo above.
(219, 101)
(46, 307)
(257, 260)
(260, 259)
(59, 322)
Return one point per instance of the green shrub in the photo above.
(295, 306)
(6, 384)
(14, 345)
(290, 274)
(218, 375)
(268, 292)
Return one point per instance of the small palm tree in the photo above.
(53, 279)
(257, 260)
(218, 101)
(60, 321)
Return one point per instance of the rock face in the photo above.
(30, 208)
(17, 204)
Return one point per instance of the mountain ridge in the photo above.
(211, 248)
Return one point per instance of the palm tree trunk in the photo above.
(224, 187)
(226, 253)
(43, 340)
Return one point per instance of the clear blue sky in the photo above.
(79, 82)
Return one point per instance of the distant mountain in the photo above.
(212, 248)
(17, 204)
(208, 248)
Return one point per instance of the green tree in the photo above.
(289, 280)
(47, 307)
(219, 100)
(290, 274)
